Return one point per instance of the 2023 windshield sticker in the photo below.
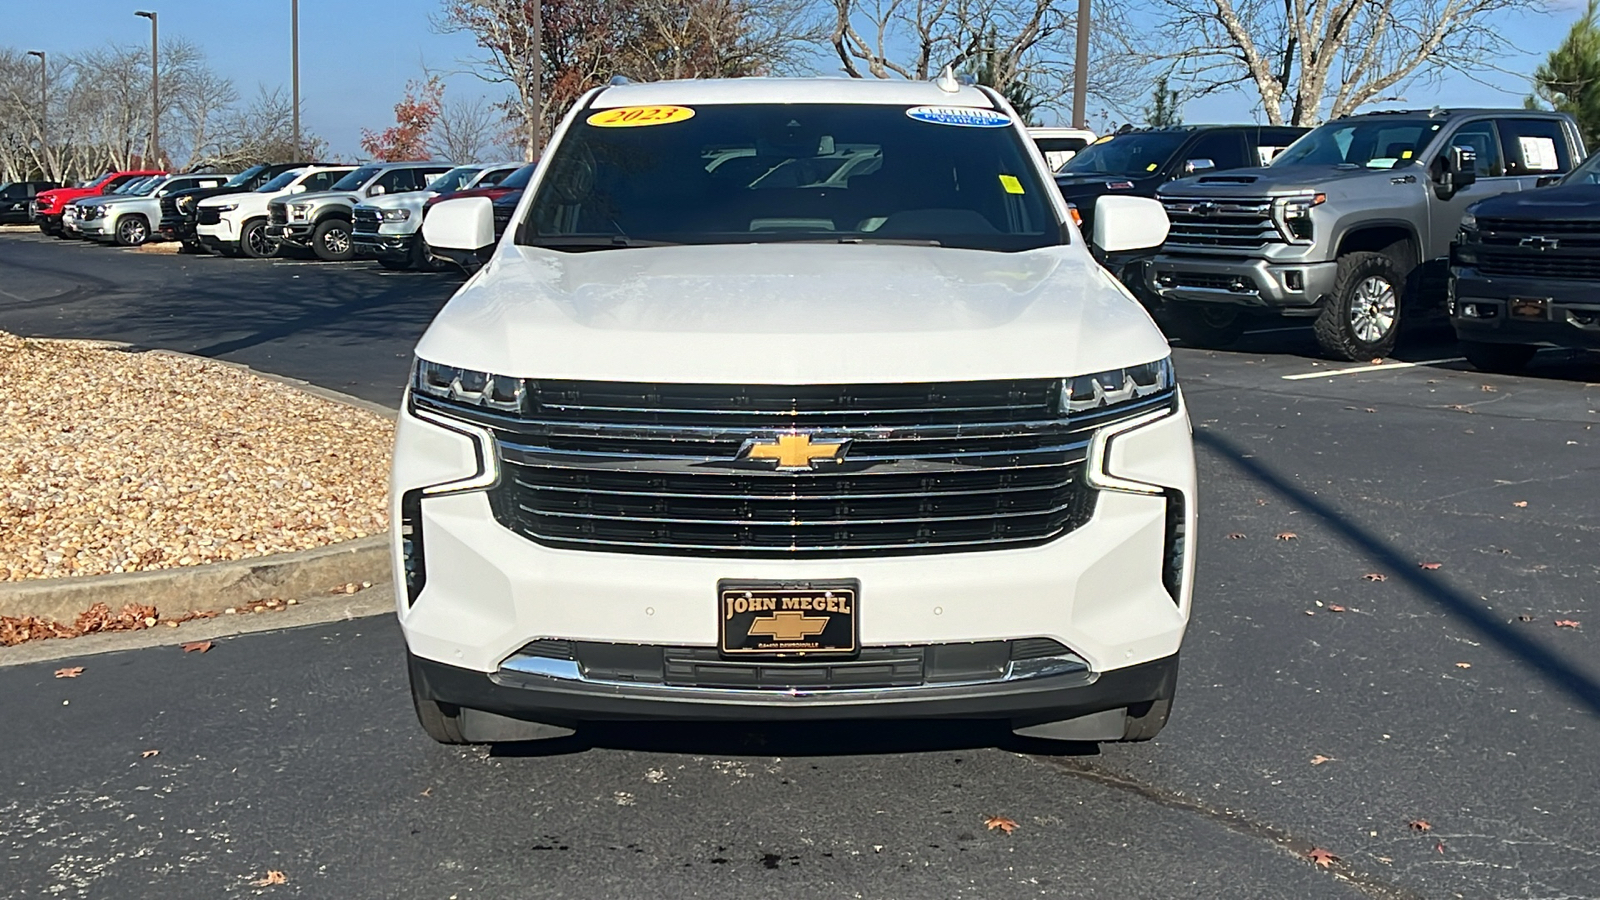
(639, 116)
(961, 116)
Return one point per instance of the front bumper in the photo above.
(177, 228)
(218, 235)
(1560, 314)
(99, 229)
(296, 233)
(1257, 283)
(383, 246)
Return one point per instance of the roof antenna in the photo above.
(947, 80)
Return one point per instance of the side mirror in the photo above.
(1198, 165)
(1128, 223)
(298, 189)
(376, 190)
(466, 223)
(1460, 169)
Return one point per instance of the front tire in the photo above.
(1502, 359)
(1203, 324)
(1362, 317)
(253, 240)
(132, 230)
(331, 241)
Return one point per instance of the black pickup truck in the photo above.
(1137, 161)
(14, 197)
(1525, 272)
(180, 209)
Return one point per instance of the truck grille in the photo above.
(502, 218)
(930, 468)
(277, 214)
(366, 221)
(1231, 224)
(1540, 249)
(209, 215)
(169, 207)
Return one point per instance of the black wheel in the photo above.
(1505, 359)
(331, 241)
(1146, 720)
(230, 251)
(1203, 324)
(440, 721)
(44, 227)
(254, 243)
(1362, 317)
(132, 230)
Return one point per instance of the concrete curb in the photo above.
(298, 575)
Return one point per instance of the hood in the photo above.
(1574, 202)
(321, 197)
(411, 200)
(231, 196)
(792, 314)
(1275, 181)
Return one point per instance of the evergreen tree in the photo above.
(1164, 110)
(1569, 80)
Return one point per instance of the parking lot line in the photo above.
(1355, 370)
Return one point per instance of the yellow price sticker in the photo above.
(1151, 167)
(1011, 184)
(640, 116)
(1405, 154)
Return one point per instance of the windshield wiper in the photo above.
(594, 242)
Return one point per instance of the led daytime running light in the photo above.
(497, 392)
(1116, 387)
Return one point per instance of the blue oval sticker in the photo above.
(964, 116)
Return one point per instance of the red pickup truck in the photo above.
(46, 207)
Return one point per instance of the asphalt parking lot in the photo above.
(1374, 668)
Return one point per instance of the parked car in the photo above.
(1060, 144)
(1526, 269)
(1350, 227)
(46, 207)
(130, 220)
(388, 228)
(1138, 161)
(179, 209)
(15, 197)
(72, 214)
(704, 441)
(236, 224)
(321, 222)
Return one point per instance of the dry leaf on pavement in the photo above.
(1567, 623)
(1000, 822)
(1334, 607)
(1288, 536)
(1322, 857)
(1519, 503)
(1319, 759)
(1463, 665)
(1236, 536)
(1420, 825)
(149, 753)
(73, 672)
(1375, 576)
(1430, 566)
(197, 646)
(1524, 618)
(273, 877)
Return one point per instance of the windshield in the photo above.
(145, 187)
(1129, 155)
(132, 186)
(519, 179)
(244, 177)
(757, 173)
(1588, 173)
(454, 180)
(491, 177)
(355, 179)
(1374, 143)
(98, 181)
(282, 181)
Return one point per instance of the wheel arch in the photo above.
(1396, 239)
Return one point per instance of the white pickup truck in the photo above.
(389, 228)
(236, 224)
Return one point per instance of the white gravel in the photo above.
(124, 462)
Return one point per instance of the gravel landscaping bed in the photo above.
(118, 461)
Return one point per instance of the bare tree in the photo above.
(468, 131)
(1306, 56)
(506, 31)
(261, 131)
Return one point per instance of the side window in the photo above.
(1225, 149)
(1535, 147)
(1482, 138)
(321, 181)
(397, 181)
(1272, 141)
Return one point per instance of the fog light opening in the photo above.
(1294, 281)
(411, 554)
(1176, 548)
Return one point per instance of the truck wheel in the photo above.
(44, 227)
(253, 240)
(331, 241)
(1203, 324)
(1362, 317)
(421, 259)
(1505, 359)
(1144, 724)
(132, 230)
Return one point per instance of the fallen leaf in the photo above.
(1488, 388)
(1288, 536)
(1519, 503)
(1524, 618)
(1420, 825)
(1463, 665)
(1375, 576)
(428, 792)
(1322, 857)
(1369, 409)
(149, 753)
(1439, 846)
(1567, 623)
(1319, 759)
(273, 877)
(1236, 536)
(1334, 607)
(1430, 566)
(1377, 361)
(73, 672)
(197, 646)
(1000, 822)
(1260, 502)
(1310, 612)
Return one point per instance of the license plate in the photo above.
(787, 619)
(1529, 308)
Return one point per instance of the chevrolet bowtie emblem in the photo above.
(795, 452)
(789, 625)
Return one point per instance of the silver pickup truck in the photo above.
(1351, 226)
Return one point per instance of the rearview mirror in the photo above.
(1128, 223)
(1198, 165)
(465, 223)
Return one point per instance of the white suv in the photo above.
(793, 399)
(236, 224)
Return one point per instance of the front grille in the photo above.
(1230, 224)
(655, 468)
(277, 214)
(367, 221)
(209, 215)
(1211, 281)
(169, 207)
(502, 218)
(1535, 249)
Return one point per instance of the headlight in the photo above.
(92, 212)
(1464, 252)
(396, 215)
(1294, 215)
(1468, 234)
(1116, 387)
(481, 389)
(184, 204)
(226, 207)
(299, 210)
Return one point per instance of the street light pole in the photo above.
(1080, 70)
(294, 64)
(44, 114)
(538, 74)
(155, 90)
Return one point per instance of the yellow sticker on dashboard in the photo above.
(1011, 184)
(640, 116)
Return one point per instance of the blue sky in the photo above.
(356, 55)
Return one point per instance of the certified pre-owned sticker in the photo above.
(964, 116)
(640, 116)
